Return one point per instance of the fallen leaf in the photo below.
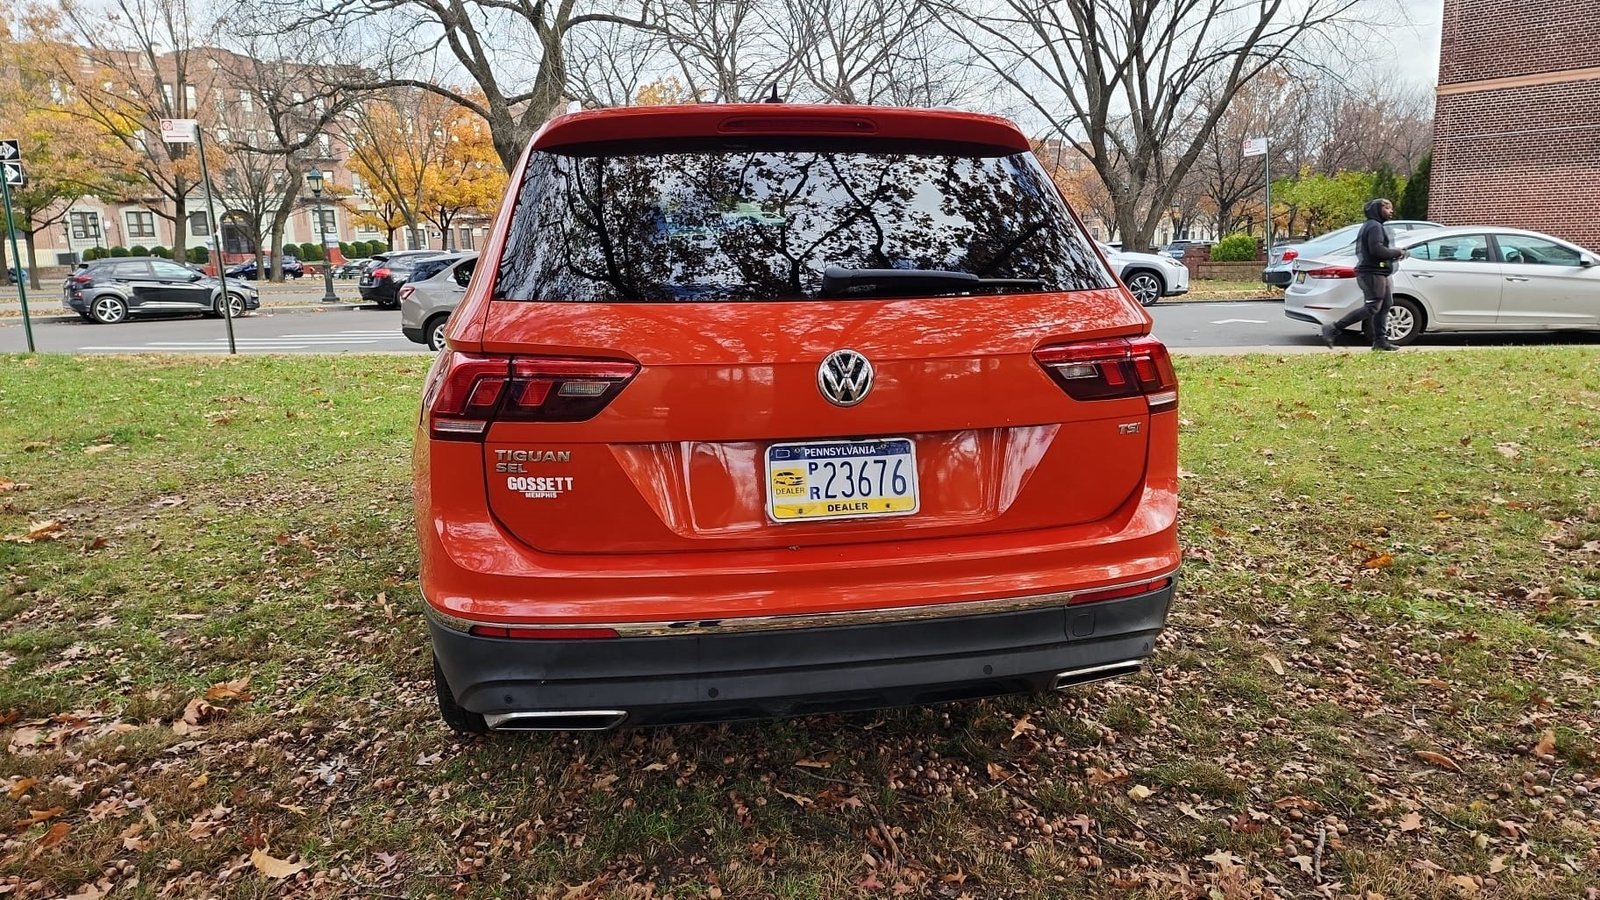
(1304, 862)
(1140, 792)
(88, 892)
(98, 543)
(799, 801)
(1464, 883)
(812, 763)
(57, 833)
(1294, 801)
(1411, 821)
(1223, 860)
(228, 690)
(40, 815)
(1098, 775)
(604, 782)
(198, 711)
(38, 531)
(274, 868)
(21, 787)
(99, 448)
(1497, 865)
(997, 772)
(1273, 663)
(1022, 726)
(1439, 759)
(1547, 744)
(1509, 451)
(656, 767)
(199, 782)
(1378, 561)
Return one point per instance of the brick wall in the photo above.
(1523, 156)
(1494, 39)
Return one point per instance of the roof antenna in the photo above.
(773, 97)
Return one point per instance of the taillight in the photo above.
(1332, 272)
(407, 291)
(1132, 590)
(83, 280)
(1112, 369)
(1291, 255)
(466, 392)
(544, 634)
(380, 273)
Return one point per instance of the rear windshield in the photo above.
(754, 224)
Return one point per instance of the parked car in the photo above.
(383, 276)
(1148, 276)
(351, 268)
(864, 449)
(1176, 249)
(1339, 242)
(434, 291)
(292, 268)
(110, 290)
(1472, 278)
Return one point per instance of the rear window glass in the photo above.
(753, 224)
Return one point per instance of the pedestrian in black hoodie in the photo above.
(1376, 260)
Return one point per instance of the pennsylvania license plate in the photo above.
(817, 480)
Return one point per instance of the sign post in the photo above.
(11, 173)
(1261, 147)
(187, 131)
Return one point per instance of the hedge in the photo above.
(1236, 247)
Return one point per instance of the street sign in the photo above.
(13, 173)
(9, 150)
(1255, 146)
(178, 131)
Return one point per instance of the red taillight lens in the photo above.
(380, 273)
(1291, 255)
(544, 634)
(1332, 272)
(83, 280)
(466, 392)
(1117, 368)
(407, 291)
(1132, 590)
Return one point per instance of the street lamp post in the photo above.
(314, 179)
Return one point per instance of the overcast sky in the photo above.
(1417, 44)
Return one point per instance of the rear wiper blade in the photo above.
(839, 282)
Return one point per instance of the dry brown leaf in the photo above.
(39, 531)
(1466, 884)
(812, 763)
(1294, 801)
(40, 815)
(798, 800)
(1022, 726)
(57, 833)
(22, 786)
(997, 772)
(1140, 792)
(1547, 744)
(604, 782)
(1439, 759)
(199, 782)
(198, 711)
(1497, 864)
(99, 448)
(1411, 821)
(1098, 775)
(274, 868)
(656, 767)
(228, 690)
(1275, 664)
(88, 892)
(1508, 450)
(1378, 561)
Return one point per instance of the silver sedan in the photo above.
(1471, 278)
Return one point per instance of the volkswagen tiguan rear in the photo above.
(759, 411)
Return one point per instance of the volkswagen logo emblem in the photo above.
(845, 377)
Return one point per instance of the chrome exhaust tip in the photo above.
(1091, 674)
(556, 720)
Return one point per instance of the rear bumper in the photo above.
(414, 335)
(663, 680)
(1277, 277)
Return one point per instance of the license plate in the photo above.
(817, 480)
(1299, 278)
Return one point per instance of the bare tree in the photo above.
(1085, 64)
(878, 51)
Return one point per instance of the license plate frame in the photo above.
(811, 458)
(1299, 278)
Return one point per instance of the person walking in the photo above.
(1376, 259)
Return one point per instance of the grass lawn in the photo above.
(1219, 289)
(1380, 679)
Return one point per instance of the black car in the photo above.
(110, 290)
(292, 268)
(384, 275)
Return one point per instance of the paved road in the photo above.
(1253, 326)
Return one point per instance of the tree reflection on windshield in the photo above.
(764, 224)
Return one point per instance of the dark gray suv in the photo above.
(110, 290)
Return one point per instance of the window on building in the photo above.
(85, 226)
(329, 224)
(141, 223)
(230, 179)
(191, 102)
(199, 224)
(325, 144)
(224, 135)
(464, 239)
(355, 184)
(246, 102)
(367, 228)
(299, 97)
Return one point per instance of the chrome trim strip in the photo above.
(744, 624)
(1111, 670)
(616, 717)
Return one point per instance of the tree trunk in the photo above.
(33, 260)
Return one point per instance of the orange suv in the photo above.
(770, 410)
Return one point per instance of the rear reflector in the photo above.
(544, 634)
(1132, 590)
(467, 392)
(1332, 272)
(1113, 369)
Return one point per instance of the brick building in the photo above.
(1517, 127)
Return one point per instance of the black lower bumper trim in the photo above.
(704, 678)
